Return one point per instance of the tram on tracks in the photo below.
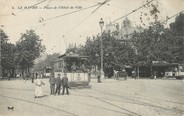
(47, 71)
(74, 66)
(175, 70)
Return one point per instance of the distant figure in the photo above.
(155, 75)
(36, 75)
(134, 74)
(58, 84)
(83, 68)
(89, 75)
(74, 67)
(32, 78)
(116, 75)
(98, 73)
(175, 70)
(52, 84)
(9, 76)
(65, 84)
(38, 89)
(123, 73)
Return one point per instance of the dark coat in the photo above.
(58, 81)
(52, 80)
(65, 81)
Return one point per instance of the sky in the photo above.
(58, 27)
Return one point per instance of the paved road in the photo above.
(143, 97)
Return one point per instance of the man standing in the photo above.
(52, 84)
(58, 84)
(98, 73)
(65, 84)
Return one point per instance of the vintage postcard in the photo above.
(91, 58)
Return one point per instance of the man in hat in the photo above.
(52, 84)
(65, 84)
(98, 73)
(58, 84)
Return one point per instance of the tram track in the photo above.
(104, 100)
(109, 103)
(107, 93)
(139, 97)
(116, 111)
(23, 100)
(135, 102)
(163, 100)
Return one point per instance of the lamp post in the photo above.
(101, 23)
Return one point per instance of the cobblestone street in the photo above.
(142, 97)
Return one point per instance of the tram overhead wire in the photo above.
(101, 4)
(133, 11)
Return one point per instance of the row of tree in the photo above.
(155, 43)
(19, 56)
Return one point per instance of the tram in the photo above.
(175, 70)
(47, 71)
(74, 66)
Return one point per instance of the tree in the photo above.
(178, 26)
(177, 29)
(29, 48)
(8, 58)
(49, 61)
(150, 44)
(3, 37)
(159, 44)
(8, 51)
(116, 54)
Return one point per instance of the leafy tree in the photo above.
(158, 44)
(3, 37)
(149, 44)
(8, 51)
(115, 53)
(177, 29)
(178, 26)
(29, 48)
(8, 58)
(49, 61)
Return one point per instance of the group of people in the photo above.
(74, 67)
(55, 85)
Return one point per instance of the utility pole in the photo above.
(101, 46)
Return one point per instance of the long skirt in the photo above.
(38, 91)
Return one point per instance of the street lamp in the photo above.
(101, 46)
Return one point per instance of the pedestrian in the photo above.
(98, 73)
(32, 78)
(124, 74)
(38, 89)
(155, 75)
(65, 84)
(52, 84)
(116, 75)
(58, 84)
(9, 76)
(134, 74)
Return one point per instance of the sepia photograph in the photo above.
(91, 58)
